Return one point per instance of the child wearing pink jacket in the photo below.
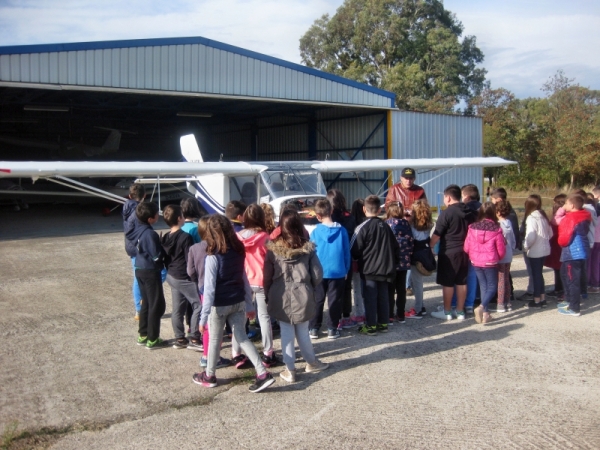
(485, 246)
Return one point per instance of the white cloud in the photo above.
(524, 46)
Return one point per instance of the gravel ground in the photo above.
(72, 377)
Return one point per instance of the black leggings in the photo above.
(399, 287)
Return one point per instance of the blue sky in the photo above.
(524, 42)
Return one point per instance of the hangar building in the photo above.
(64, 101)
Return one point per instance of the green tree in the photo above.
(572, 142)
(410, 47)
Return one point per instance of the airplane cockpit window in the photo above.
(244, 189)
(293, 181)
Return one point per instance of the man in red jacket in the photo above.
(405, 192)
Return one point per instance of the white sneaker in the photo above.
(460, 316)
(441, 315)
(288, 375)
(317, 366)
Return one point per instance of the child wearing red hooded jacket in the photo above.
(573, 238)
(485, 246)
(254, 237)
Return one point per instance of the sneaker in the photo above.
(401, 319)
(478, 313)
(347, 322)
(142, 340)
(317, 366)
(204, 380)
(223, 362)
(195, 345)
(391, 321)
(460, 315)
(137, 316)
(358, 320)
(533, 304)
(593, 290)
(568, 312)
(409, 292)
(366, 329)
(203, 361)
(526, 296)
(253, 335)
(423, 311)
(543, 303)
(469, 310)
(442, 315)
(153, 345)
(412, 314)
(270, 361)
(262, 383)
(240, 362)
(314, 333)
(501, 308)
(562, 305)
(333, 333)
(552, 293)
(509, 307)
(584, 296)
(180, 343)
(288, 375)
(382, 327)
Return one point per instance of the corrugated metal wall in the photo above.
(420, 135)
(190, 68)
(353, 138)
(278, 140)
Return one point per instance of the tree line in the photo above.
(415, 49)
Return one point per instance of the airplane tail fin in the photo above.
(190, 149)
(112, 141)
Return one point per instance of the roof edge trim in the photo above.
(74, 87)
(158, 42)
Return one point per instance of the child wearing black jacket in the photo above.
(176, 244)
(377, 252)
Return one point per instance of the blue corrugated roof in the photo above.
(102, 45)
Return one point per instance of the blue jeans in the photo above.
(488, 282)
(472, 285)
(137, 295)
(537, 275)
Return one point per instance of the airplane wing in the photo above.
(44, 169)
(398, 164)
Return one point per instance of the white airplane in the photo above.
(214, 184)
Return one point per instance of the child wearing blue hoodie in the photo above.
(148, 266)
(333, 251)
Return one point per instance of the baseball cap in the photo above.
(407, 172)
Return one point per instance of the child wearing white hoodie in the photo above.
(503, 209)
(537, 246)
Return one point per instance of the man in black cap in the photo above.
(405, 192)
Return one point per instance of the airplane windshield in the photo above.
(290, 181)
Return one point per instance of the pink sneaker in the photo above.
(347, 323)
(412, 314)
(358, 320)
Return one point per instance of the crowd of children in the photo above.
(225, 271)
